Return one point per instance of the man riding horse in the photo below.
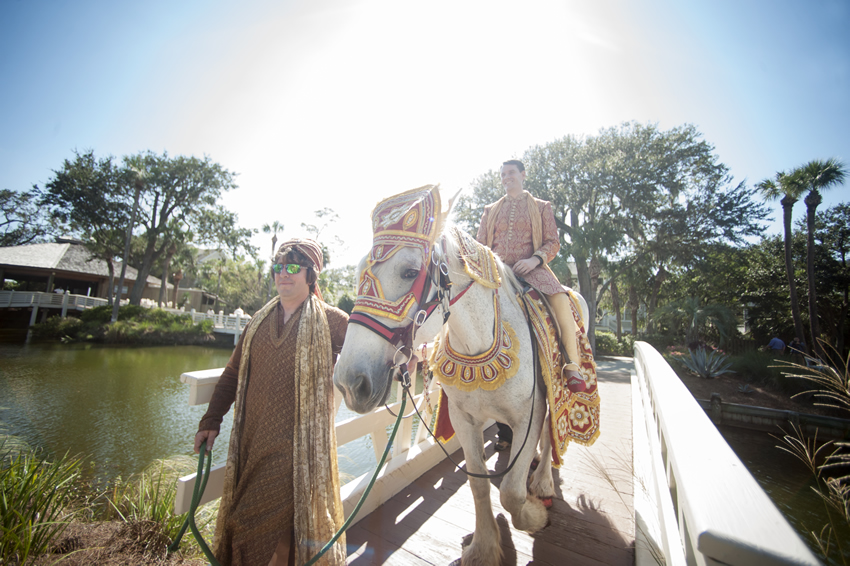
(521, 230)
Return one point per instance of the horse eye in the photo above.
(410, 274)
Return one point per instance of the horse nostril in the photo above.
(361, 387)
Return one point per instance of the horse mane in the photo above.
(452, 250)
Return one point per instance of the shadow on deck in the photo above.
(591, 521)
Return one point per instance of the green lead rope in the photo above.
(201, 478)
(204, 473)
(345, 525)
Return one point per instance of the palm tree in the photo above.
(815, 176)
(273, 229)
(789, 189)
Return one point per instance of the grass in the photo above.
(40, 497)
(35, 494)
(146, 504)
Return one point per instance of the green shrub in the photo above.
(131, 312)
(34, 494)
(97, 315)
(761, 368)
(606, 343)
(56, 327)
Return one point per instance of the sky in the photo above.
(341, 103)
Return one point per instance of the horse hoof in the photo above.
(547, 503)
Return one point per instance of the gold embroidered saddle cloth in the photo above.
(573, 415)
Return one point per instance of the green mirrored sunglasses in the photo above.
(291, 268)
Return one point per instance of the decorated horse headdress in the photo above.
(410, 219)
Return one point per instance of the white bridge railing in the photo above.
(710, 509)
(410, 457)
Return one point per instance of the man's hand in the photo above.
(524, 266)
(208, 435)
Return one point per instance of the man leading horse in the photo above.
(521, 230)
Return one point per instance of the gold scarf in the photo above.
(318, 508)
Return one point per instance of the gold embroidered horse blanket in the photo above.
(573, 414)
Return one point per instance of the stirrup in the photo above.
(575, 383)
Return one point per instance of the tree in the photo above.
(768, 311)
(272, 229)
(697, 319)
(325, 216)
(22, 221)
(86, 198)
(816, 176)
(832, 230)
(235, 281)
(789, 189)
(136, 168)
(632, 196)
(180, 194)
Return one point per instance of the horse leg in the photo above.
(485, 548)
(542, 485)
(527, 512)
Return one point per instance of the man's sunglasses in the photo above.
(291, 268)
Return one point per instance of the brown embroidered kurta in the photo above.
(513, 238)
(262, 503)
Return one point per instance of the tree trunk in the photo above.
(813, 199)
(787, 205)
(615, 300)
(177, 278)
(126, 256)
(110, 268)
(163, 287)
(633, 303)
(658, 280)
(586, 291)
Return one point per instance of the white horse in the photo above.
(368, 361)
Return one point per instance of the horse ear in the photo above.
(444, 213)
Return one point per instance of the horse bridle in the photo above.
(433, 279)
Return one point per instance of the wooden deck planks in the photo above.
(592, 519)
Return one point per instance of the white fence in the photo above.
(226, 323)
(48, 300)
(710, 509)
(409, 459)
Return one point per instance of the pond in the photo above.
(121, 407)
(786, 480)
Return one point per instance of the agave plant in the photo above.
(707, 365)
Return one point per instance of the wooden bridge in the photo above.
(660, 486)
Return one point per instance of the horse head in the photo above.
(397, 280)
